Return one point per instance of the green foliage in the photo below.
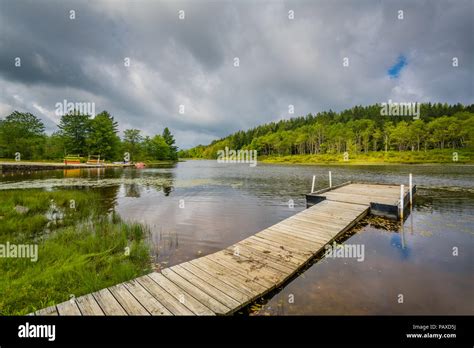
(356, 130)
(156, 148)
(80, 135)
(102, 139)
(132, 140)
(23, 133)
(54, 147)
(74, 129)
(169, 140)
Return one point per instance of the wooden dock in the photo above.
(224, 282)
(12, 167)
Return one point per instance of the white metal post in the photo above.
(402, 189)
(312, 186)
(330, 179)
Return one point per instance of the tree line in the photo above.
(355, 130)
(80, 135)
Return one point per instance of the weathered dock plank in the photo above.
(229, 276)
(206, 298)
(68, 308)
(208, 288)
(127, 301)
(169, 302)
(108, 303)
(146, 299)
(88, 305)
(238, 295)
(47, 311)
(181, 295)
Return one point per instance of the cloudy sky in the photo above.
(191, 61)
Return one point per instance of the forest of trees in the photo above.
(356, 130)
(80, 135)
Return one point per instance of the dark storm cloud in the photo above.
(190, 61)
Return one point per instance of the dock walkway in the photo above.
(223, 282)
(26, 166)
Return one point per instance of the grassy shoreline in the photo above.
(446, 156)
(59, 162)
(161, 162)
(79, 248)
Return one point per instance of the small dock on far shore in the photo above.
(226, 281)
(22, 166)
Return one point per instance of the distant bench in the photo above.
(95, 162)
(72, 160)
(77, 160)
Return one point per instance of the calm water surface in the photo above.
(198, 207)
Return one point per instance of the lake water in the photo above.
(195, 208)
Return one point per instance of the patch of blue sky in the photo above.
(394, 70)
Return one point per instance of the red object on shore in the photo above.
(140, 165)
(66, 162)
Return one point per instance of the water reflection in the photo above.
(132, 190)
(72, 173)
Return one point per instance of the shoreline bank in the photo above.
(34, 166)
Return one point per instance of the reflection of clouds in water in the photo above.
(432, 284)
(48, 183)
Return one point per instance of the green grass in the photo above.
(84, 253)
(150, 163)
(379, 157)
(68, 206)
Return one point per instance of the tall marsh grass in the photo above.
(80, 250)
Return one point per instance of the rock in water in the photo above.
(21, 209)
